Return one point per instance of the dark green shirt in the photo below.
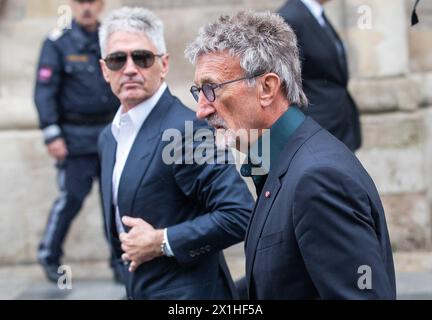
(260, 159)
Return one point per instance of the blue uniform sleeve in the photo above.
(227, 205)
(48, 81)
(337, 237)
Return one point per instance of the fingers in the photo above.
(134, 265)
(125, 257)
(131, 222)
(123, 237)
(125, 247)
(134, 222)
(58, 149)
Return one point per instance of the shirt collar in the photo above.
(138, 114)
(278, 136)
(316, 9)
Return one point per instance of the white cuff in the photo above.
(169, 252)
(51, 131)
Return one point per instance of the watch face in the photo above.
(164, 248)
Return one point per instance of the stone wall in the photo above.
(391, 68)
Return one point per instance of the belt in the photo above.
(87, 119)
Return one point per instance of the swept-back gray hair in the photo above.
(133, 20)
(261, 40)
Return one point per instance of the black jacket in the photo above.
(325, 75)
(206, 208)
(319, 229)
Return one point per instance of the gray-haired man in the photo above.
(318, 230)
(168, 222)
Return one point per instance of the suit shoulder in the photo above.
(293, 13)
(319, 153)
(326, 157)
(179, 113)
(181, 109)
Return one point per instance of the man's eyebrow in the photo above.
(206, 79)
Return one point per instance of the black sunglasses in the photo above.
(208, 89)
(142, 58)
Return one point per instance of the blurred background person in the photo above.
(324, 70)
(74, 104)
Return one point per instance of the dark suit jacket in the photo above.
(322, 221)
(205, 207)
(325, 76)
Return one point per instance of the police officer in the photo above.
(74, 104)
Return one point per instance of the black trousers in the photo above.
(75, 178)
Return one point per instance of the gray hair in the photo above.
(262, 41)
(133, 20)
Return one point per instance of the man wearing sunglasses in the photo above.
(168, 223)
(74, 104)
(318, 230)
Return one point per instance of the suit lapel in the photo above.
(107, 167)
(273, 185)
(341, 59)
(322, 36)
(257, 221)
(142, 151)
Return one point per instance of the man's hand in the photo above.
(58, 149)
(141, 244)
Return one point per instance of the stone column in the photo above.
(393, 128)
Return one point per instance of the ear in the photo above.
(105, 70)
(165, 65)
(268, 88)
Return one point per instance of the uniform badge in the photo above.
(77, 58)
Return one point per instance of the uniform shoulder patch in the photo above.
(45, 74)
(55, 34)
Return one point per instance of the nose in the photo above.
(205, 108)
(130, 67)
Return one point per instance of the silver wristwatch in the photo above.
(164, 247)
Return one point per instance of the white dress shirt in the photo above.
(316, 9)
(125, 128)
